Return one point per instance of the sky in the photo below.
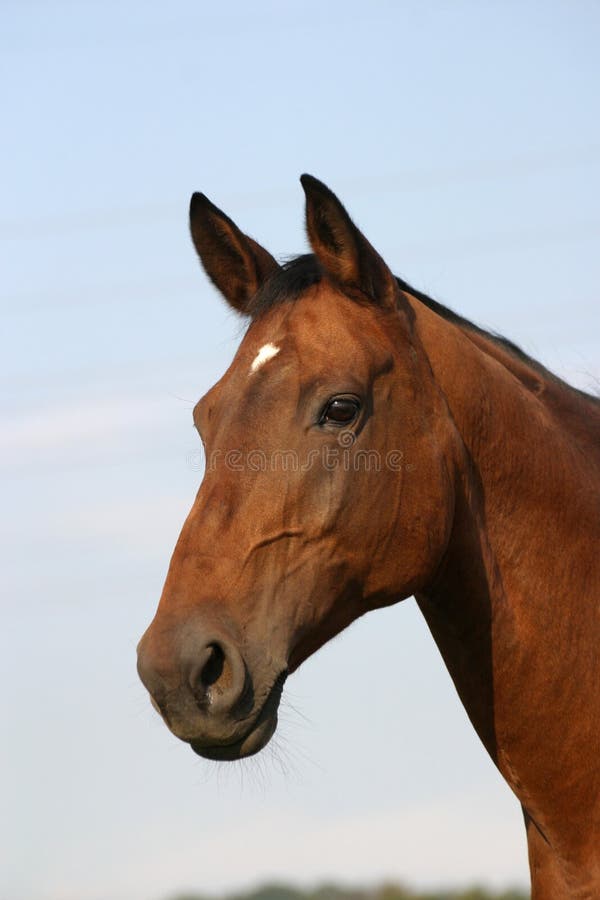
(464, 139)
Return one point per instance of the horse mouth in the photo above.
(258, 735)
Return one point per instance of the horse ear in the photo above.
(235, 264)
(343, 251)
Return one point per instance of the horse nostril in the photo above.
(217, 676)
(212, 669)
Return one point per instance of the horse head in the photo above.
(328, 489)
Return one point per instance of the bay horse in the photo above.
(365, 445)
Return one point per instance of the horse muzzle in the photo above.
(207, 693)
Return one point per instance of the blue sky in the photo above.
(464, 139)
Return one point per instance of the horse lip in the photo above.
(262, 727)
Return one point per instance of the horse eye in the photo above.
(340, 411)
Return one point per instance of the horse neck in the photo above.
(512, 600)
(528, 472)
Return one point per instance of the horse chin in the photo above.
(258, 735)
(257, 738)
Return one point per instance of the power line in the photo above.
(409, 181)
(454, 248)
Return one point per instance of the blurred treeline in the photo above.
(383, 892)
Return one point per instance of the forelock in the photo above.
(286, 284)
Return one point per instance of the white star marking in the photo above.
(264, 355)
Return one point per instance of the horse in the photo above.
(365, 445)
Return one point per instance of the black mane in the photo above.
(286, 284)
(301, 272)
